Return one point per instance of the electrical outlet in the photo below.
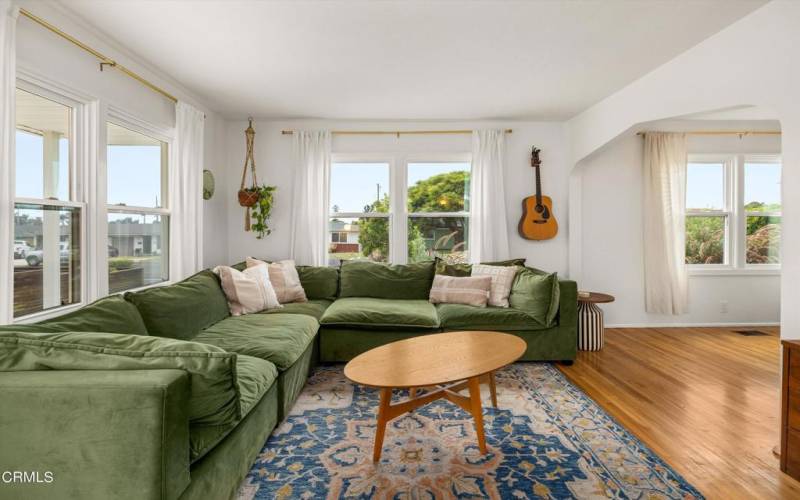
(723, 306)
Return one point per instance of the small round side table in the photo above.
(590, 320)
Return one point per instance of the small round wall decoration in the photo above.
(208, 184)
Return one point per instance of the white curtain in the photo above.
(186, 193)
(8, 75)
(312, 167)
(488, 230)
(664, 200)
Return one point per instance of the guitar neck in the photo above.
(538, 186)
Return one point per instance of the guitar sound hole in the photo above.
(539, 208)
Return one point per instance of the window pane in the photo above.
(42, 147)
(443, 237)
(705, 240)
(365, 238)
(763, 240)
(46, 258)
(705, 186)
(135, 165)
(137, 250)
(762, 187)
(359, 187)
(438, 187)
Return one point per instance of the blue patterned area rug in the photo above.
(547, 439)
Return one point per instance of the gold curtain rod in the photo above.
(398, 133)
(104, 60)
(740, 133)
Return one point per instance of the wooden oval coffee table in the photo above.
(450, 361)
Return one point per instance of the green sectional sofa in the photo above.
(161, 394)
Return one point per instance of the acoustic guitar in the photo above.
(538, 221)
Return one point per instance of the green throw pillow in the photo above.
(360, 278)
(214, 396)
(443, 267)
(181, 310)
(537, 294)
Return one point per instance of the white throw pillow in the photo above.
(469, 290)
(247, 291)
(502, 281)
(285, 280)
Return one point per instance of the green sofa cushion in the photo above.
(503, 319)
(253, 381)
(383, 281)
(536, 294)
(383, 313)
(278, 338)
(215, 394)
(314, 308)
(181, 310)
(111, 314)
(319, 282)
(443, 267)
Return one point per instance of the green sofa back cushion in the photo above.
(383, 281)
(537, 294)
(319, 282)
(181, 310)
(214, 396)
(111, 314)
(443, 267)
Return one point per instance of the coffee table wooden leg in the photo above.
(477, 411)
(383, 418)
(493, 389)
(412, 392)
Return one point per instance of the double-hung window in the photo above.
(733, 212)
(48, 218)
(399, 209)
(138, 218)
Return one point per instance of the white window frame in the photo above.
(126, 120)
(735, 244)
(77, 152)
(398, 192)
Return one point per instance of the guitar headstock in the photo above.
(535, 161)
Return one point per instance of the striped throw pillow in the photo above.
(472, 291)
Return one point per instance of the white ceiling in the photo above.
(438, 60)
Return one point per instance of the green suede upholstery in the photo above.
(319, 282)
(221, 471)
(443, 267)
(382, 281)
(501, 319)
(181, 310)
(340, 344)
(314, 308)
(292, 380)
(119, 434)
(536, 294)
(253, 382)
(372, 313)
(278, 338)
(214, 393)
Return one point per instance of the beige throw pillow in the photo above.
(247, 291)
(285, 280)
(472, 291)
(502, 281)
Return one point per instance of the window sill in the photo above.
(48, 314)
(731, 271)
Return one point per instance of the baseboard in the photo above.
(690, 325)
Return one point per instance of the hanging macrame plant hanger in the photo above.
(249, 196)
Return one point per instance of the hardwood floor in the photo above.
(707, 400)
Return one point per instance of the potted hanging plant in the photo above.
(262, 209)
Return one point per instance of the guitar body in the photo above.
(537, 224)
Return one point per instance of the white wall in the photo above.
(42, 53)
(273, 160)
(612, 234)
(752, 62)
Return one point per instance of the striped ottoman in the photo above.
(590, 320)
